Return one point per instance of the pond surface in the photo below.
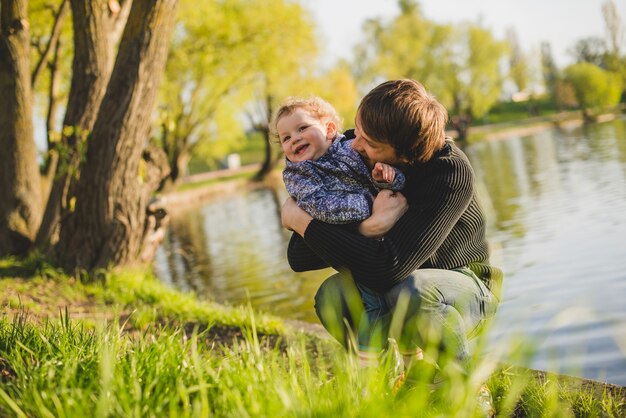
(556, 202)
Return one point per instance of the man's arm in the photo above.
(379, 264)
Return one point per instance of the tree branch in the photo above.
(54, 38)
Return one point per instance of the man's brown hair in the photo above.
(403, 114)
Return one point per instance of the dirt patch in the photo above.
(7, 374)
(44, 300)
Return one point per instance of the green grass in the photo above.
(159, 352)
(41, 288)
(61, 368)
(506, 112)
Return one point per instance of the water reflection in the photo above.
(233, 250)
(556, 203)
(561, 235)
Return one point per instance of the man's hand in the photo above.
(383, 173)
(388, 207)
(294, 218)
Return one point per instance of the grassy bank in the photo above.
(126, 345)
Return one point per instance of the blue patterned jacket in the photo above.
(338, 187)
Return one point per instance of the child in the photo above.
(326, 177)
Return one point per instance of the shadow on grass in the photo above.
(19, 268)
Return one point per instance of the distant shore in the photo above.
(197, 188)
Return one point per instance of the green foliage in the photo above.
(409, 46)
(41, 18)
(223, 54)
(518, 62)
(594, 87)
(144, 292)
(503, 112)
(482, 65)
(548, 68)
(459, 65)
(338, 86)
(70, 368)
(592, 50)
(522, 392)
(138, 291)
(61, 368)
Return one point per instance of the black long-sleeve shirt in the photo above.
(444, 228)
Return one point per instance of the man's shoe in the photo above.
(393, 361)
(485, 402)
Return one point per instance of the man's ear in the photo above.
(331, 130)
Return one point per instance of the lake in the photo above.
(556, 205)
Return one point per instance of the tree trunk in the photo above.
(91, 69)
(20, 206)
(269, 162)
(461, 124)
(179, 166)
(461, 120)
(588, 116)
(52, 42)
(108, 225)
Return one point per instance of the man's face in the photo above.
(304, 137)
(371, 150)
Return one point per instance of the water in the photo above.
(556, 202)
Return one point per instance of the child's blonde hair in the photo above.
(316, 106)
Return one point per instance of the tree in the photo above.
(210, 67)
(549, 68)
(95, 24)
(459, 66)
(594, 87)
(476, 82)
(409, 45)
(518, 63)
(218, 62)
(108, 223)
(591, 49)
(20, 213)
(564, 95)
(615, 34)
(338, 86)
(50, 25)
(284, 68)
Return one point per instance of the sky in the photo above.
(560, 22)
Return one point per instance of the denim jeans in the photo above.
(444, 307)
(377, 316)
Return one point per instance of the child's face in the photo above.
(304, 137)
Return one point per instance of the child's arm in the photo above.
(388, 177)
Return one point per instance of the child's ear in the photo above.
(331, 130)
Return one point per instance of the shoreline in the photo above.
(220, 184)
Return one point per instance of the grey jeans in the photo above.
(431, 306)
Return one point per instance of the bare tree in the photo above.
(20, 213)
(108, 224)
(615, 34)
(93, 23)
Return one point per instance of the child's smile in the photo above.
(304, 137)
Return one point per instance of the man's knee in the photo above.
(336, 296)
(329, 290)
(418, 288)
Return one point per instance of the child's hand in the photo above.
(383, 173)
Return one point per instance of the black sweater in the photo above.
(444, 228)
